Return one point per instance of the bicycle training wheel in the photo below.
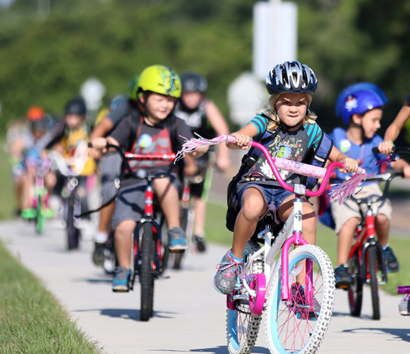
(299, 325)
(374, 285)
(355, 292)
(241, 326)
(147, 245)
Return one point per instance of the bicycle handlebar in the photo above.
(141, 157)
(298, 168)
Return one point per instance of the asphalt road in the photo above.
(189, 315)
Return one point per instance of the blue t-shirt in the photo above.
(363, 153)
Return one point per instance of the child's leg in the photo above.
(382, 227)
(345, 240)
(123, 242)
(169, 201)
(309, 219)
(253, 206)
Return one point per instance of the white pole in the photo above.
(274, 47)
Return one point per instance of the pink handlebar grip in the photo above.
(403, 290)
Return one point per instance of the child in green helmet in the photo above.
(151, 129)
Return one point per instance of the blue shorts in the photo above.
(274, 196)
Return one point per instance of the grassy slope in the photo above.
(6, 187)
(326, 239)
(31, 320)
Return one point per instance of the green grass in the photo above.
(31, 320)
(6, 186)
(326, 239)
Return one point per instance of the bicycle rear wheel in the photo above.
(355, 292)
(73, 234)
(374, 285)
(295, 326)
(146, 272)
(241, 326)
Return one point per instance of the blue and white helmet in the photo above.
(292, 77)
(358, 99)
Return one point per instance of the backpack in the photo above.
(314, 157)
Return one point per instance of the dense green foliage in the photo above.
(44, 57)
(31, 320)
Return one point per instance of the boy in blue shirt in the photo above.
(360, 106)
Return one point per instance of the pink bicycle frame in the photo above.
(296, 238)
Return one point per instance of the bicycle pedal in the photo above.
(120, 290)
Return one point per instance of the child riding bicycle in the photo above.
(360, 106)
(73, 135)
(151, 129)
(205, 119)
(287, 128)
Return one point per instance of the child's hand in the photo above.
(94, 153)
(99, 144)
(351, 165)
(386, 147)
(406, 172)
(242, 141)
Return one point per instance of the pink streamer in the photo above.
(342, 191)
(347, 188)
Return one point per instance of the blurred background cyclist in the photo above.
(204, 119)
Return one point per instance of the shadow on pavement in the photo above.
(216, 350)
(128, 314)
(400, 333)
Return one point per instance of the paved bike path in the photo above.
(189, 315)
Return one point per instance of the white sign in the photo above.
(92, 91)
(274, 35)
(246, 95)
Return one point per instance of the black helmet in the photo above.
(76, 106)
(193, 82)
(292, 77)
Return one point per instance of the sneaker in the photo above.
(200, 243)
(177, 240)
(121, 280)
(391, 260)
(342, 277)
(227, 279)
(98, 254)
(301, 307)
(404, 305)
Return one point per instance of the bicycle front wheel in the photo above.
(242, 327)
(299, 325)
(146, 272)
(374, 285)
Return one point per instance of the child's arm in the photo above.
(101, 143)
(351, 165)
(243, 137)
(394, 129)
(401, 166)
(220, 126)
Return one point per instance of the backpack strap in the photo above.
(320, 157)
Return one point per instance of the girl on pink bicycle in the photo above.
(287, 128)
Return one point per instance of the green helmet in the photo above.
(160, 79)
(133, 87)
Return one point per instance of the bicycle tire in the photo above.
(293, 329)
(374, 285)
(72, 231)
(164, 244)
(146, 272)
(355, 292)
(243, 340)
